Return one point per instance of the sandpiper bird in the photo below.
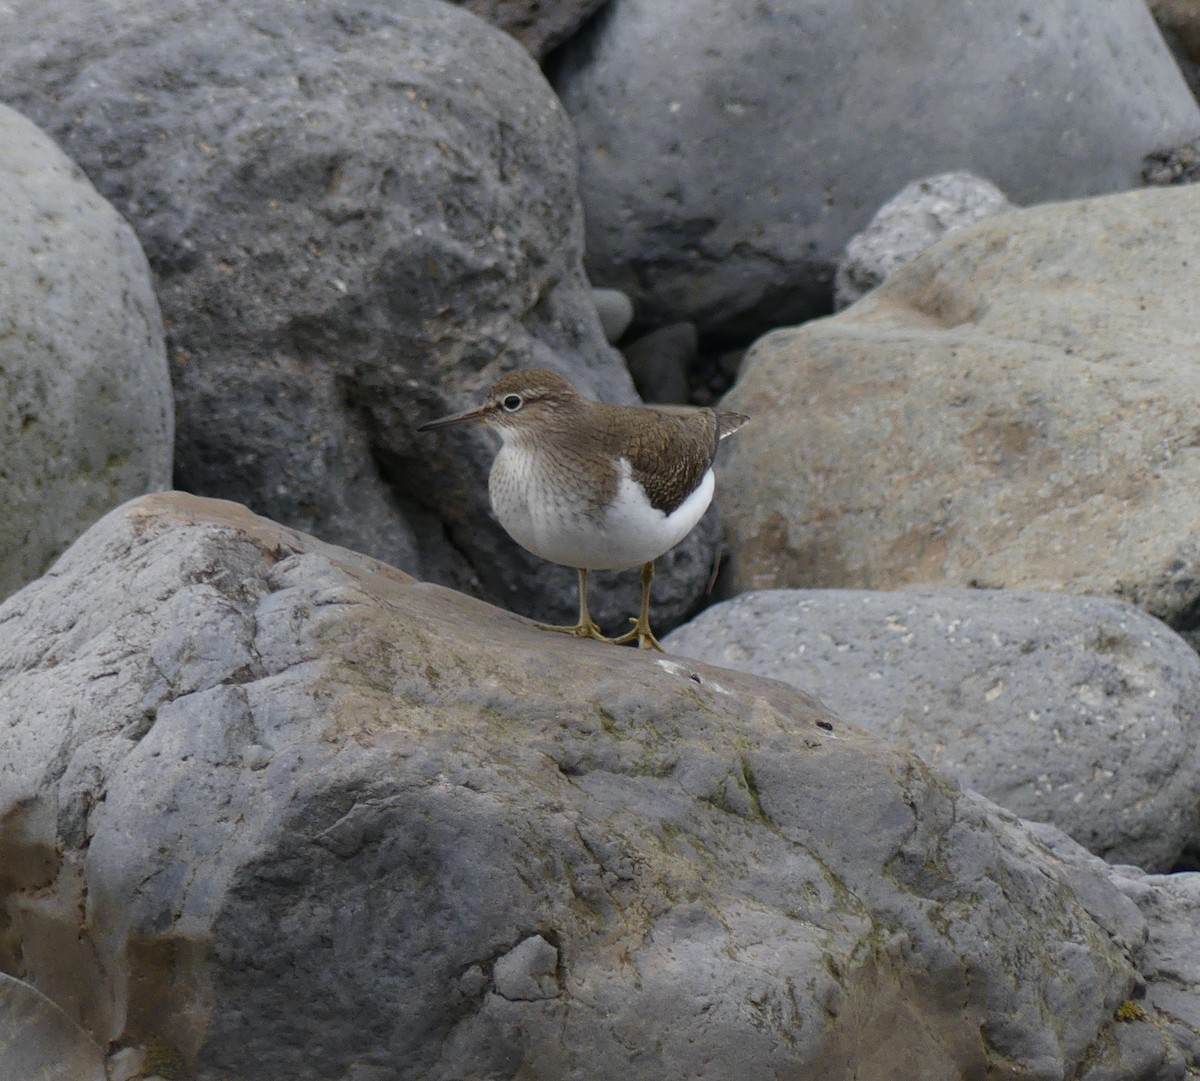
(596, 486)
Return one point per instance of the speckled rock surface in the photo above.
(1080, 711)
(286, 812)
(85, 399)
(1009, 410)
(918, 215)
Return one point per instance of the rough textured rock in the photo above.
(1173, 165)
(1007, 410)
(1168, 912)
(1170, 905)
(1080, 711)
(358, 214)
(539, 25)
(287, 811)
(920, 214)
(730, 148)
(1182, 19)
(38, 1042)
(85, 398)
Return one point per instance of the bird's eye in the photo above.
(512, 402)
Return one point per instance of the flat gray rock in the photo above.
(278, 810)
(358, 214)
(730, 148)
(86, 417)
(1080, 711)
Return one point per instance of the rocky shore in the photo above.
(291, 785)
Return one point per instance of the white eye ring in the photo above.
(512, 402)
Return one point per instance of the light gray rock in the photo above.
(85, 398)
(359, 214)
(527, 971)
(1008, 410)
(1173, 165)
(615, 310)
(730, 148)
(920, 214)
(286, 811)
(38, 1042)
(1080, 711)
(127, 1064)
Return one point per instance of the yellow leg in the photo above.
(641, 626)
(586, 627)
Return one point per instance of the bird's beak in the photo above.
(464, 417)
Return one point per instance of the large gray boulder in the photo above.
(730, 148)
(85, 397)
(283, 810)
(1009, 410)
(359, 214)
(1080, 711)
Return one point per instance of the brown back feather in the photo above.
(669, 451)
(669, 448)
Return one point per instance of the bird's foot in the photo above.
(583, 629)
(642, 634)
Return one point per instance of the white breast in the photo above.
(551, 521)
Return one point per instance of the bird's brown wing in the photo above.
(669, 452)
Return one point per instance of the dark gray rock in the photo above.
(38, 1042)
(659, 362)
(85, 397)
(729, 149)
(920, 214)
(539, 25)
(1170, 905)
(1079, 711)
(286, 811)
(359, 214)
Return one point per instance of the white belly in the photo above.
(547, 520)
